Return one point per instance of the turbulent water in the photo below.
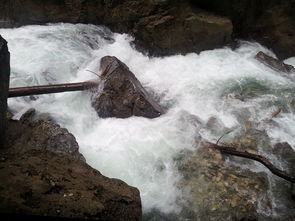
(225, 84)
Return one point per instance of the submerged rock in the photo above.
(121, 94)
(43, 173)
(286, 154)
(218, 190)
(274, 64)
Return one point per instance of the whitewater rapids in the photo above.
(137, 150)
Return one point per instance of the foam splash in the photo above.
(137, 150)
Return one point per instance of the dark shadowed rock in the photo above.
(286, 154)
(162, 27)
(121, 94)
(269, 22)
(274, 64)
(4, 85)
(182, 29)
(42, 173)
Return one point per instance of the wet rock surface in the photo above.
(29, 134)
(220, 185)
(42, 173)
(4, 84)
(217, 190)
(274, 64)
(160, 27)
(168, 27)
(121, 94)
(182, 29)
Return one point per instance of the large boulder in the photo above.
(181, 29)
(4, 85)
(43, 174)
(121, 94)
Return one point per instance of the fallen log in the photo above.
(259, 158)
(274, 63)
(48, 89)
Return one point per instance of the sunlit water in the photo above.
(137, 150)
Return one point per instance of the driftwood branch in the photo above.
(259, 158)
(48, 89)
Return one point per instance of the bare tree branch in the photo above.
(259, 158)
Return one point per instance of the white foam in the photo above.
(137, 150)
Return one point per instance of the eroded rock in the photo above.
(43, 173)
(121, 94)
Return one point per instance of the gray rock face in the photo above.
(4, 85)
(121, 94)
(42, 173)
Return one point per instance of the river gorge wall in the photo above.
(166, 27)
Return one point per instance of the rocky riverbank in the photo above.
(43, 173)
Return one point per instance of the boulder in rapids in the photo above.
(274, 64)
(121, 94)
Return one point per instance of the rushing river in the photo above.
(137, 150)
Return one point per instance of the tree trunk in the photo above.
(48, 89)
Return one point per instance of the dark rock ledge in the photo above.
(166, 27)
(43, 174)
